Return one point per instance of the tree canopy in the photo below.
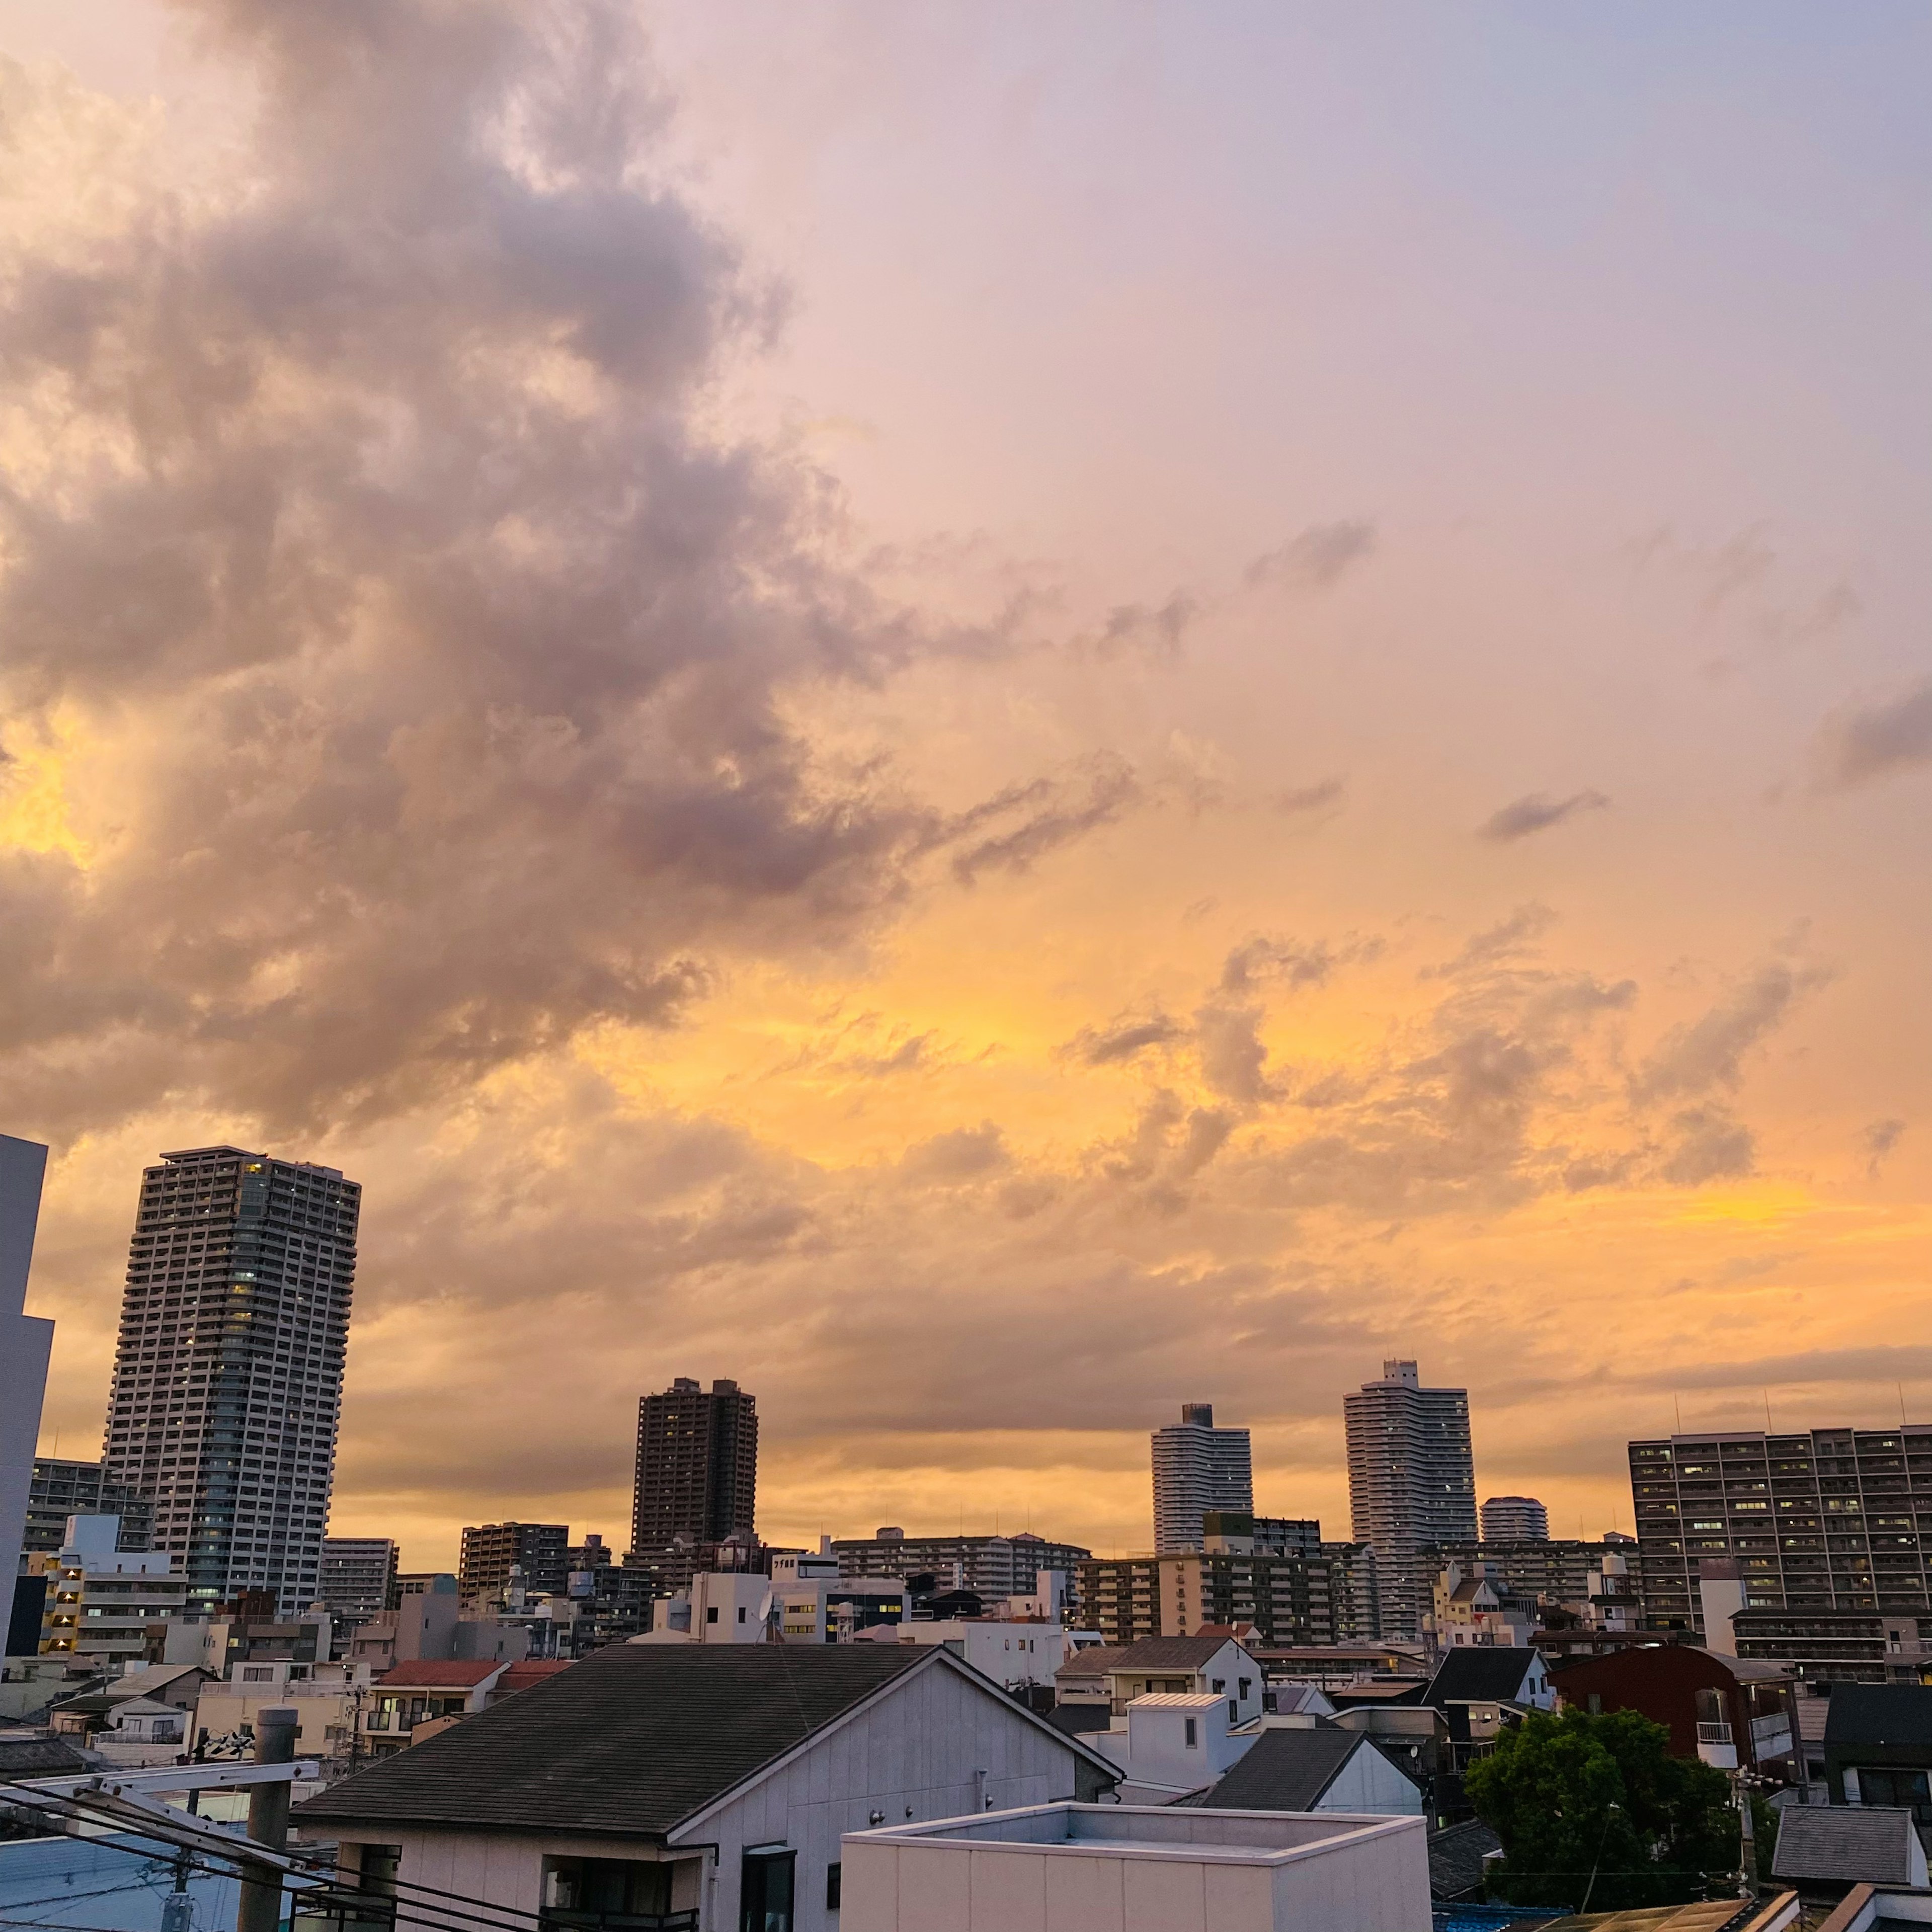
(1577, 1794)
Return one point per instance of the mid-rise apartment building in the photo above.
(1551, 1570)
(491, 1550)
(227, 1386)
(698, 1466)
(1198, 1467)
(61, 1488)
(1830, 1519)
(1264, 1535)
(1411, 1483)
(1843, 1646)
(1328, 1597)
(103, 1602)
(990, 1567)
(1514, 1519)
(358, 1576)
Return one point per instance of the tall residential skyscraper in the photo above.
(1198, 1467)
(26, 1342)
(1514, 1519)
(1829, 1518)
(1411, 1481)
(228, 1372)
(697, 1465)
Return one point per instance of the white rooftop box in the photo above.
(1122, 1867)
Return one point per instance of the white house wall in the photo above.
(1368, 1782)
(913, 1755)
(506, 1868)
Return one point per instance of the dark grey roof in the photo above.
(1076, 1720)
(632, 1740)
(1286, 1771)
(1455, 1856)
(40, 1757)
(1168, 1653)
(1880, 1713)
(1871, 1843)
(1474, 1674)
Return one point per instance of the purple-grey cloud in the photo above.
(1874, 742)
(1317, 557)
(1537, 812)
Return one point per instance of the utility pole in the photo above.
(1742, 1782)
(261, 1907)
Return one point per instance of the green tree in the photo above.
(1577, 1794)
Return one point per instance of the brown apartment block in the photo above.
(1826, 1520)
(697, 1465)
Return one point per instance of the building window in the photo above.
(1192, 1733)
(832, 1873)
(595, 1893)
(765, 1892)
(711, 1613)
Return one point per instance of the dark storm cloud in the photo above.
(1535, 813)
(1317, 558)
(372, 492)
(1881, 739)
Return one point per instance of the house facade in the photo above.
(667, 1781)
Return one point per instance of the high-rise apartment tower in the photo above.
(1514, 1519)
(227, 1384)
(1411, 1482)
(1829, 1518)
(697, 1465)
(1198, 1467)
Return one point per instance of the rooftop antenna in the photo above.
(1901, 1408)
(1767, 1411)
(1678, 1405)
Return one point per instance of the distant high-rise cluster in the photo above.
(227, 1384)
(1198, 1467)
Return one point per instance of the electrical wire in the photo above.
(436, 1917)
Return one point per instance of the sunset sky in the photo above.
(993, 714)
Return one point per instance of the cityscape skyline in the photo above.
(688, 1394)
(1307, 741)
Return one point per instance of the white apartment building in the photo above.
(103, 1603)
(1198, 1467)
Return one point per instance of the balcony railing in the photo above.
(555, 1918)
(1714, 1734)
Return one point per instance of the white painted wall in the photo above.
(1008, 1653)
(1369, 1782)
(938, 1885)
(915, 1753)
